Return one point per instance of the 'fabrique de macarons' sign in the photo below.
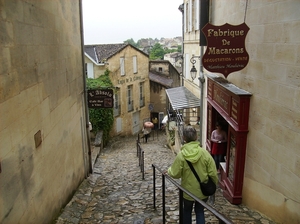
(225, 52)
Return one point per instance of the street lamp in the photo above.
(193, 71)
(201, 78)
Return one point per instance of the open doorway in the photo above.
(214, 117)
(155, 120)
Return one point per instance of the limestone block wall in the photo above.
(160, 67)
(272, 75)
(42, 127)
(134, 79)
(159, 98)
(272, 176)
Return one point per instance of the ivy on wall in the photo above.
(101, 118)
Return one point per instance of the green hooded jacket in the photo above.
(203, 163)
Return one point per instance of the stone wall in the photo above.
(42, 125)
(271, 179)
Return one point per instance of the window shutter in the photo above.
(134, 64)
(122, 66)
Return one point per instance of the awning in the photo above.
(182, 98)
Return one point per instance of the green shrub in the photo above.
(101, 118)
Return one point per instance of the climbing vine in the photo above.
(101, 118)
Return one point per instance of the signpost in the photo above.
(225, 52)
(100, 98)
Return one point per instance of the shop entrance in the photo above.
(229, 105)
(217, 119)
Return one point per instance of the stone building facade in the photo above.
(129, 69)
(44, 142)
(271, 176)
(162, 75)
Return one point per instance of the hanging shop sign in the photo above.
(100, 98)
(226, 51)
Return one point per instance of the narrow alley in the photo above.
(116, 192)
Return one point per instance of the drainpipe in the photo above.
(181, 9)
(201, 81)
(85, 91)
(204, 19)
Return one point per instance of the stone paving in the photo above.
(116, 193)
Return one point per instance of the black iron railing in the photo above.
(177, 117)
(140, 155)
(222, 219)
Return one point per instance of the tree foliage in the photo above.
(101, 118)
(157, 52)
(131, 41)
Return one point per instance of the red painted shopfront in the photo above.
(229, 104)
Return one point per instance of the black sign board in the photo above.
(100, 98)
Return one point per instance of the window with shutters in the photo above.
(117, 106)
(142, 95)
(129, 98)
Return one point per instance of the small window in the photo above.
(160, 69)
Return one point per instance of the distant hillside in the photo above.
(147, 43)
(169, 49)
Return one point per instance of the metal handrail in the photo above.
(222, 218)
(177, 117)
(140, 155)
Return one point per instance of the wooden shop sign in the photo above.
(100, 98)
(226, 51)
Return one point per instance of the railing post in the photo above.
(140, 152)
(180, 206)
(137, 148)
(163, 198)
(154, 197)
(143, 166)
(222, 219)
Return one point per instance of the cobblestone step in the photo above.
(116, 193)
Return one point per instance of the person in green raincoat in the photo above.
(204, 165)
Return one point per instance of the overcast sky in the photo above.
(114, 21)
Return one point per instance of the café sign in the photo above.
(225, 52)
(100, 98)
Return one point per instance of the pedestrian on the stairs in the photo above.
(203, 164)
(146, 131)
